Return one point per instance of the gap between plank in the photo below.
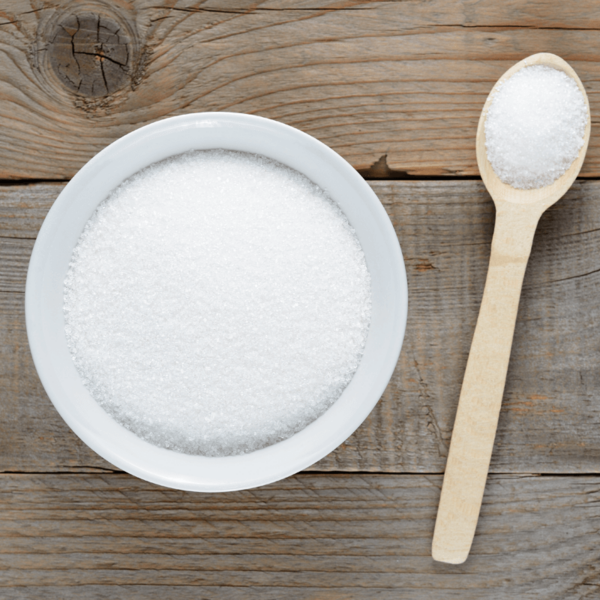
(102, 471)
(402, 176)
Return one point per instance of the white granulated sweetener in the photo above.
(217, 302)
(535, 127)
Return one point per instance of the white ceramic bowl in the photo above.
(63, 226)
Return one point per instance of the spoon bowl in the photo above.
(548, 195)
(517, 214)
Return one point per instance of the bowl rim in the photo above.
(160, 472)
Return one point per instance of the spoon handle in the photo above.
(483, 384)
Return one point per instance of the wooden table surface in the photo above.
(396, 88)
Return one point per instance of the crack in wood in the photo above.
(261, 9)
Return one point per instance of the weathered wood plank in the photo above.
(401, 80)
(23, 208)
(549, 420)
(310, 536)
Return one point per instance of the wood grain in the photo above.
(323, 537)
(395, 87)
(548, 422)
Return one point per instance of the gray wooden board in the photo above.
(402, 82)
(325, 537)
(549, 421)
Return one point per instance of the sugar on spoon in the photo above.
(517, 214)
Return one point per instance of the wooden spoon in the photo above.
(517, 215)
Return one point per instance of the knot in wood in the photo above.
(91, 54)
